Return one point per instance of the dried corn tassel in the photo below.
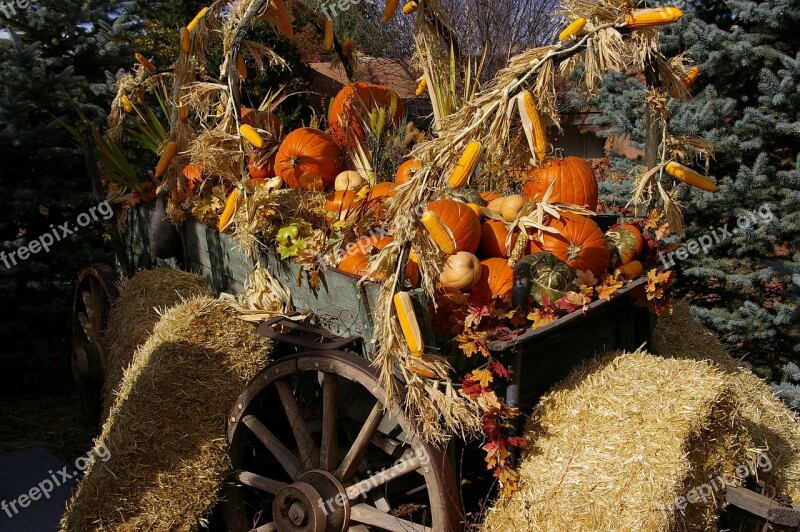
(439, 232)
(408, 323)
(166, 158)
(466, 165)
(532, 124)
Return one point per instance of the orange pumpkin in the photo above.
(490, 195)
(406, 171)
(353, 103)
(311, 181)
(497, 280)
(382, 190)
(493, 239)
(261, 166)
(574, 182)
(261, 119)
(580, 243)
(462, 222)
(359, 253)
(307, 150)
(341, 204)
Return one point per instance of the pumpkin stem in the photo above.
(294, 161)
(573, 251)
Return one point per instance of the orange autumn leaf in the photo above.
(657, 282)
(483, 376)
(611, 283)
(540, 318)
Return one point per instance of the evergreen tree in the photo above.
(746, 103)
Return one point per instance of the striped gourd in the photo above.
(408, 323)
(410, 8)
(126, 103)
(532, 124)
(573, 29)
(328, 34)
(186, 40)
(422, 86)
(519, 249)
(241, 68)
(146, 63)
(466, 165)
(439, 232)
(656, 16)
(391, 8)
(166, 158)
(193, 24)
(284, 22)
(690, 177)
(251, 135)
(231, 204)
(347, 47)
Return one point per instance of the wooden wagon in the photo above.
(333, 455)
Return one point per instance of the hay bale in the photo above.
(768, 420)
(165, 433)
(134, 314)
(616, 444)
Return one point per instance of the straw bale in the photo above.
(614, 445)
(165, 432)
(135, 313)
(768, 420)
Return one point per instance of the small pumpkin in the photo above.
(574, 182)
(353, 103)
(348, 180)
(497, 280)
(580, 243)
(461, 271)
(341, 204)
(261, 119)
(541, 274)
(490, 195)
(625, 243)
(310, 181)
(406, 171)
(307, 150)
(493, 239)
(360, 253)
(261, 165)
(382, 190)
(632, 269)
(463, 224)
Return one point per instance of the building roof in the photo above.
(390, 72)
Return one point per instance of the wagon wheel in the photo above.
(313, 450)
(95, 289)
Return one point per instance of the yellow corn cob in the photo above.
(231, 204)
(186, 41)
(145, 63)
(422, 86)
(391, 7)
(241, 67)
(191, 26)
(166, 158)
(126, 103)
(347, 47)
(573, 29)
(466, 165)
(439, 232)
(532, 124)
(519, 248)
(251, 136)
(690, 177)
(690, 77)
(328, 34)
(421, 368)
(408, 323)
(410, 8)
(284, 22)
(183, 112)
(657, 16)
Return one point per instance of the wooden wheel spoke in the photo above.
(383, 477)
(257, 481)
(288, 461)
(269, 527)
(309, 454)
(88, 301)
(86, 325)
(328, 447)
(369, 515)
(353, 457)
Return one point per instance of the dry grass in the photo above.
(135, 313)
(618, 441)
(165, 431)
(770, 423)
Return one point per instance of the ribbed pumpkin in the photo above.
(493, 239)
(341, 204)
(490, 195)
(382, 190)
(625, 243)
(497, 280)
(574, 182)
(580, 243)
(354, 102)
(406, 171)
(358, 258)
(541, 274)
(307, 151)
(461, 271)
(261, 119)
(462, 222)
(261, 166)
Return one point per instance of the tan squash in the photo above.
(348, 180)
(461, 272)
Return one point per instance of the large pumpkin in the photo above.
(580, 243)
(462, 222)
(341, 204)
(543, 275)
(574, 182)
(353, 103)
(493, 239)
(406, 171)
(625, 243)
(261, 120)
(359, 254)
(307, 151)
(497, 280)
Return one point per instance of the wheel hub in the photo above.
(315, 502)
